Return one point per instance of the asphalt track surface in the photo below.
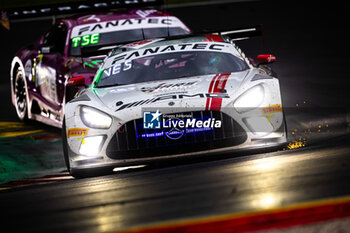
(310, 43)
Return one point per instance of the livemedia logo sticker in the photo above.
(152, 120)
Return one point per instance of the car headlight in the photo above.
(250, 99)
(259, 125)
(94, 118)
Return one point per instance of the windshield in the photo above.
(98, 35)
(99, 40)
(170, 66)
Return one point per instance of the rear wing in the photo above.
(215, 35)
(239, 33)
(77, 6)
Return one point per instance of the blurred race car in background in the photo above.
(169, 98)
(71, 51)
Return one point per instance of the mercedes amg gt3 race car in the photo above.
(168, 98)
(71, 51)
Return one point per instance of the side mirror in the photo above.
(45, 50)
(265, 59)
(76, 82)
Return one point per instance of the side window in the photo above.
(55, 38)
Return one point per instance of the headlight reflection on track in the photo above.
(264, 166)
(266, 200)
(119, 169)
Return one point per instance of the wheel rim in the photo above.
(21, 96)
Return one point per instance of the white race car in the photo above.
(172, 97)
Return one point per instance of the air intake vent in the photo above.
(133, 141)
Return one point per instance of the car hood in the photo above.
(189, 92)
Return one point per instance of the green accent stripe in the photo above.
(98, 76)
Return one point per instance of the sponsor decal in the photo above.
(86, 40)
(117, 68)
(175, 126)
(172, 93)
(173, 97)
(77, 132)
(272, 109)
(151, 120)
(163, 86)
(186, 123)
(126, 24)
(168, 48)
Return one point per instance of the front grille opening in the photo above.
(133, 141)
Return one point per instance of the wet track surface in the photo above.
(206, 188)
(312, 51)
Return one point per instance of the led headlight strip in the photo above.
(94, 118)
(250, 99)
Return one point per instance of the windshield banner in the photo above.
(126, 24)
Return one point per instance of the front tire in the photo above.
(21, 95)
(91, 172)
(65, 145)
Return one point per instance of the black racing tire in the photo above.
(90, 172)
(65, 145)
(285, 125)
(21, 95)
